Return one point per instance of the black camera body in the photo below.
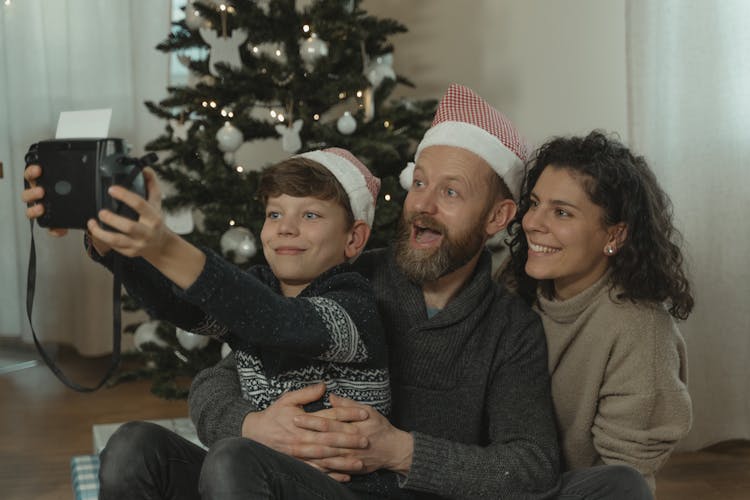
(76, 174)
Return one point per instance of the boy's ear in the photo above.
(358, 236)
(500, 216)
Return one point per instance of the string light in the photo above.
(231, 222)
(387, 197)
(212, 104)
(386, 124)
(359, 93)
(222, 7)
(278, 52)
(316, 117)
(273, 113)
(280, 117)
(205, 104)
(305, 28)
(239, 169)
(342, 95)
(256, 49)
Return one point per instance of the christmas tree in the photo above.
(310, 74)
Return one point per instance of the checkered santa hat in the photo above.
(360, 185)
(465, 120)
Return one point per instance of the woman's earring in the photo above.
(610, 250)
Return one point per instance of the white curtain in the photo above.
(689, 76)
(59, 55)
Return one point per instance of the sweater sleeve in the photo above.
(215, 403)
(320, 327)
(644, 406)
(152, 291)
(522, 459)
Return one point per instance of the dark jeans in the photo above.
(605, 482)
(146, 461)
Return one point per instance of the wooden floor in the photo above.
(43, 424)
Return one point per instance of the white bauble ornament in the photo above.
(346, 124)
(380, 69)
(290, 141)
(225, 350)
(229, 138)
(311, 50)
(193, 18)
(180, 221)
(190, 341)
(241, 242)
(146, 333)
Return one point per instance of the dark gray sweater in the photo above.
(470, 383)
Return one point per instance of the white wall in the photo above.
(553, 67)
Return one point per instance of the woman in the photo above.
(593, 249)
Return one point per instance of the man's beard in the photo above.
(423, 266)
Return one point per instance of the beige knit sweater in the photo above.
(619, 374)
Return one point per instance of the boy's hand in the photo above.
(35, 193)
(144, 237)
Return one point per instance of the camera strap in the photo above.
(116, 320)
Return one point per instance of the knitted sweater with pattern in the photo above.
(469, 383)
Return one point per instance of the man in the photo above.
(472, 413)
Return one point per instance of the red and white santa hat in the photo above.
(465, 120)
(360, 185)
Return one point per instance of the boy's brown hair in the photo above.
(302, 177)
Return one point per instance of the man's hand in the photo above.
(388, 447)
(34, 194)
(330, 435)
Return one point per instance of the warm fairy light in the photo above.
(222, 7)
(387, 197)
(316, 117)
(280, 117)
(240, 169)
(342, 95)
(212, 104)
(278, 52)
(359, 93)
(386, 124)
(256, 50)
(231, 222)
(205, 104)
(305, 28)
(273, 113)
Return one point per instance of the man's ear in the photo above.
(358, 236)
(500, 216)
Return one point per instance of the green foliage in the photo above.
(385, 140)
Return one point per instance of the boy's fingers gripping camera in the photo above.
(76, 174)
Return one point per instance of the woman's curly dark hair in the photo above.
(649, 265)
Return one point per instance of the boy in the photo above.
(303, 319)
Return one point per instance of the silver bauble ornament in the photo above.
(346, 124)
(241, 242)
(190, 341)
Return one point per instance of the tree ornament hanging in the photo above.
(346, 124)
(229, 140)
(180, 221)
(379, 69)
(224, 49)
(240, 243)
(190, 341)
(180, 129)
(312, 49)
(146, 333)
(290, 140)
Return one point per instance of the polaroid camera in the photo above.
(76, 174)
